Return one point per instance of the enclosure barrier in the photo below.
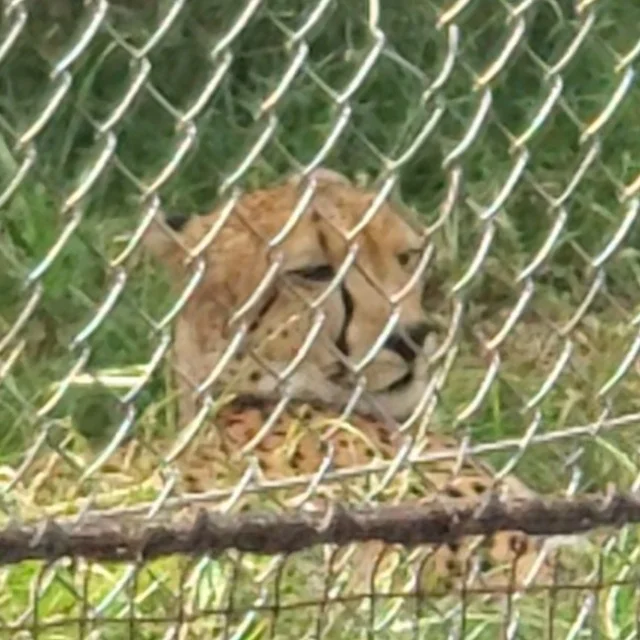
(508, 133)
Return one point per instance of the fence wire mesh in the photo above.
(246, 396)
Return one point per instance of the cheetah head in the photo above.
(308, 286)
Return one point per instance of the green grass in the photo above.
(388, 111)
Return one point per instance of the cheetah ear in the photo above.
(322, 174)
(161, 239)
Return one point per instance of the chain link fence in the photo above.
(165, 474)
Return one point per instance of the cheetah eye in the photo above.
(319, 273)
(406, 258)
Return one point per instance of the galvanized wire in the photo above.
(534, 325)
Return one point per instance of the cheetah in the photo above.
(311, 287)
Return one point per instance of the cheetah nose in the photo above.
(408, 349)
(418, 333)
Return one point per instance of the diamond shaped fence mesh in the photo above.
(319, 319)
